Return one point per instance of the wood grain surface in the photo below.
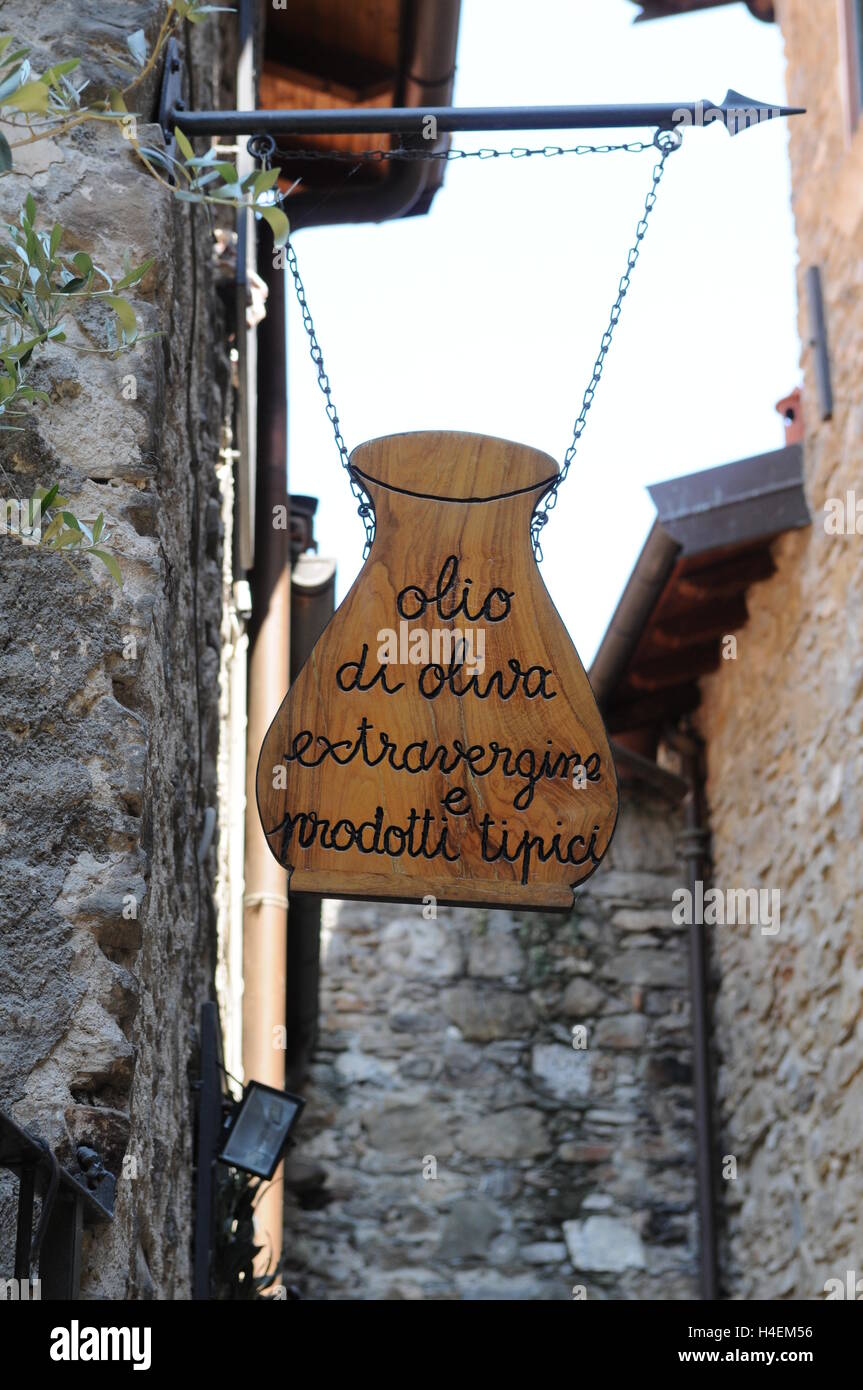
(442, 740)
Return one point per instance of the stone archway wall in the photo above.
(456, 1145)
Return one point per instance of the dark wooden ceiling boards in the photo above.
(711, 542)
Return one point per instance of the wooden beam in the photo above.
(635, 712)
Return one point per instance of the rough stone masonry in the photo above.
(108, 700)
(456, 1144)
(783, 725)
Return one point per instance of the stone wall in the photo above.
(456, 1145)
(783, 727)
(109, 697)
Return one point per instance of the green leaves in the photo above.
(137, 46)
(133, 276)
(205, 178)
(31, 96)
(126, 318)
(52, 95)
(184, 145)
(264, 180)
(48, 496)
(39, 286)
(234, 1247)
(53, 75)
(195, 12)
(278, 222)
(110, 563)
(65, 532)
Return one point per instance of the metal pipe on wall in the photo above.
(266, 885)
(313, 590)
(265, 928)
(695, 852)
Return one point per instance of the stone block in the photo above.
(482, 1015)
(603, 1244)
(564, 1071)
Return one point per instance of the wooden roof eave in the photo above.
(710, 542)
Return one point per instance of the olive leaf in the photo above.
(32, 96)
(110, 563)
(137, 46)
(126, 316)
(278, 223)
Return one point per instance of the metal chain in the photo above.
(262, 147)
(364, 506)
(666, 141)
(401, 153)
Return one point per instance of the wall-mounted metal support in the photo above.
(172, 102)
(818, 342)
(736, 112)
(60, 1257)
(210, 1118)
(70, 1201)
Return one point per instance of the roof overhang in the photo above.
(322, 54)
(711, 540)
(665, 9)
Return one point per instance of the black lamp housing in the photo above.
(258, 1129)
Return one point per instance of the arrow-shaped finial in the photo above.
(741, 113)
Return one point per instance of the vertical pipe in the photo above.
(695, 853)
(313, 587)
(818, 342)
(209, 1128)
(265, 896)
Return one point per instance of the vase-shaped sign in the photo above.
(442, 741)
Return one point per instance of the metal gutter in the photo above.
(749, 499)
(672, 9)
(313, 587)
(647, 581)
(428, 76)
(266, 911)
(694, 849)
(265, 897)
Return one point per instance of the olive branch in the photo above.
(40, 285)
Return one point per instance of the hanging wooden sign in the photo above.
(442, 739)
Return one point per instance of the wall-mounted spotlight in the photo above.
(257, 1129)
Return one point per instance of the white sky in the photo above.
(486, 314)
